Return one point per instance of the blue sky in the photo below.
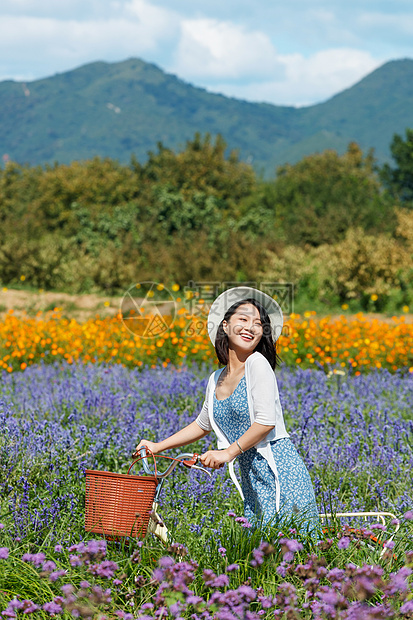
(294, 52)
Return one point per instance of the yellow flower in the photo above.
(344, 307)
(107, 303)
(374, 297)
(175, 287)
(405, 308)
(22, 278)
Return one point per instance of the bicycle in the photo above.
(122, 505)
(119, 505)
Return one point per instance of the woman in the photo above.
(242, 407)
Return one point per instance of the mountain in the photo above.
(116, 109)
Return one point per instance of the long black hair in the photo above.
(266, 345)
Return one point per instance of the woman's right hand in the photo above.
(151, 445)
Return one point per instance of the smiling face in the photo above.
(244, 328)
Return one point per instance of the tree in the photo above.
(399, 180)
(202, 166)
(319, 198)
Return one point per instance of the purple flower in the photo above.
(231, 513)
(56, 575)
(258, 557)
(336, 574)
(398, 581)
(75, 560)
(282, 569)
(78, 547)
(124, 615)
(267, 602)
(344, 542)
(34, 558)
(208, 576)
(52, 608)
(289, 547)
(1, 526)
(231, 568)
(222, 551)
(220, 582)
(389, 544)
(28, 607)
(241, 520)
(15, 604)
(67, 589)
(4, 553)
(247, 593)
(48, 566)
(105, 569)
(408, 515)
(291, 544)
(58, 549)
(95, 547)
(166, 561)
(191, 600)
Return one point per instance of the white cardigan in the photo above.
(264, 407)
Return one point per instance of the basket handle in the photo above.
(145, 451)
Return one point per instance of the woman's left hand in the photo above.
(215, 458)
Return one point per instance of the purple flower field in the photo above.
(356, 438)
(354, 433)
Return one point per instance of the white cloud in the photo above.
(330, 70)
(212, 49)
(138, 29)
(308, 80)
(291, 53)
(227, 58)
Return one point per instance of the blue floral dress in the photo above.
(257, 479)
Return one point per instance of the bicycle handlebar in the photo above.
(176, 460)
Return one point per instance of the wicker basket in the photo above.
(118, 505)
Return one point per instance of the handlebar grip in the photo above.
(192, 461)
(145, 462)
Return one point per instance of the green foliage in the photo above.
(318, 199)
(201, 167)
(354, 269)
(399, 180)
(201, 214)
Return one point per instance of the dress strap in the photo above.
(234, 479)
(266, 452)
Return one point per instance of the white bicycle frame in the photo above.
(157, 526)
(379, 515)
